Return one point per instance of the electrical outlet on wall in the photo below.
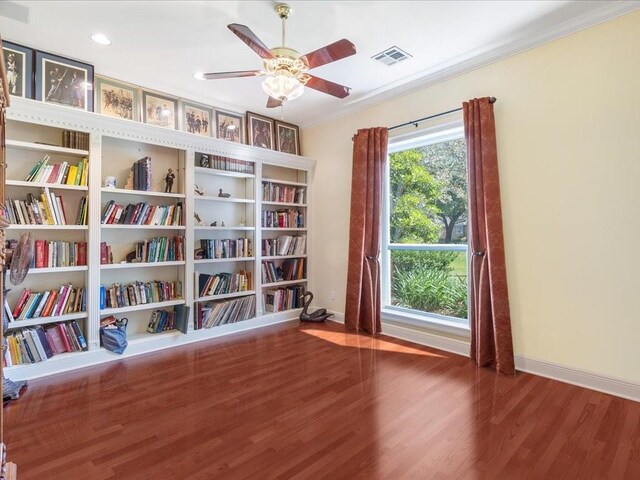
(332, 295)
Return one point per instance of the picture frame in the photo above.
(117, 99)
(196, 118)
(63, 81)
(230, 126)
(18, 64)
(287, 138)
(260, 131)
(159, 110)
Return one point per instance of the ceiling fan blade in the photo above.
(250, 38)
(336, 51)
(242, 73)
(326, 86)
(273, 102)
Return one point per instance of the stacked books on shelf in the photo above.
(224, 283)
(284, 245)
(51, 303)
(37, 344)
(139, 293)
(286, 218)
(274, 192)
(160, 249)
(59, 253)
(77, 140)
(142, 214)
(291, 269)
(163, 320)
(231, 164)
(140, 176)
(228, 248)
(47, 210)
(59, 173)
(222, 312)
(281, 299)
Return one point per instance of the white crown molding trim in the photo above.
(455, 67)
(70, 118)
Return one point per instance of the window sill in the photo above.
(425, 322)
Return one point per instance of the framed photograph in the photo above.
(18, 64)
(196, 118)
(117, 99)
(64, 81)
(259, 131)
(230, 126)
(159, 110)
(287, 138)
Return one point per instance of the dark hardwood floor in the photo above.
(309, 402)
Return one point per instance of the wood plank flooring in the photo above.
(315, 402)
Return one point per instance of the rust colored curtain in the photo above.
(362, 311)
(491, 343)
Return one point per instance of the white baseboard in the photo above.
(581, 378)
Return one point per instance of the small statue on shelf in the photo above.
(222, 224)
(198, 219)
(214, 224)
(242, 223)
(198, 190)
(224, 195)
(169, 181)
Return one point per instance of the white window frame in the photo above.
(406, 316)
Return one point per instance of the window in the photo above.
(424, 236)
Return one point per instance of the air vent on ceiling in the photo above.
(391, 56)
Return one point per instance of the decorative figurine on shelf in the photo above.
(110, 182)
(222, 224)
(242, 223)
(224, 195)
(214, 224)
(319, 315)
(204, 161)
(197, 217)
(168, 179)
(197, 190)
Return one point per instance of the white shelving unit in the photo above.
(35, 129)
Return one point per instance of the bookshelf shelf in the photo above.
(144, 306)
(47, 227)
(146, 227)
(147, 336)
(284, 204)
(146, 193)
(292, 311)
(283, 283)
(30, 322)
(226, 295)
(282, 257)
(222, 173)
(222, 199)
(282, 229)
(237, 228)
(41, 147)
(52, 186)
(283, 182)
(117, 266)
(223, 260)
(79, 268)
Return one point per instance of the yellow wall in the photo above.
(568, 129)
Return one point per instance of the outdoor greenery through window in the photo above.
(425, 246)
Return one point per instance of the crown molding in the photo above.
(460, 65)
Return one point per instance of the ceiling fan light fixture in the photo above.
(283, 87)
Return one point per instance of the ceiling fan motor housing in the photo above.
(287, 62)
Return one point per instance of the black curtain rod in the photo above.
(416, 122)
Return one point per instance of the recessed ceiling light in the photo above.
(198, 76)
(100, 39)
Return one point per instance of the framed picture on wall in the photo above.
(18, 64)
(64, 81)
(196, 118)
(230, 126)
(259, 131)
(287, 138)
(117, 99)
(159, 110)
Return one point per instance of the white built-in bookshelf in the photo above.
(227, 242)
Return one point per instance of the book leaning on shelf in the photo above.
(51, 303)
(281, 299)
(284, 245)
(37, 344)
(224, 283)
(140, 175)
(49, 209)
(59, 173)
(222, 312)
(164, 321)
(139, 293)
(142, 214)
(291, 269)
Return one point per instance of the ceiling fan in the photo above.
(285, 70)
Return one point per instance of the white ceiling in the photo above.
(159, 45)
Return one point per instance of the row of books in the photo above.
(68, 299)
(139, 293)
(281, 299)
(223, 312)
(291, 269)
(32, 345)
(59, 253)
(274, 192)
(164, 320)
(141, 172)
(160, 249)
(223, 283)
(142, 214)
(77, 140)
(284, 245)
(230, 164)
(59, 173)
(225, 248)
(47, 210)
(286, 218)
